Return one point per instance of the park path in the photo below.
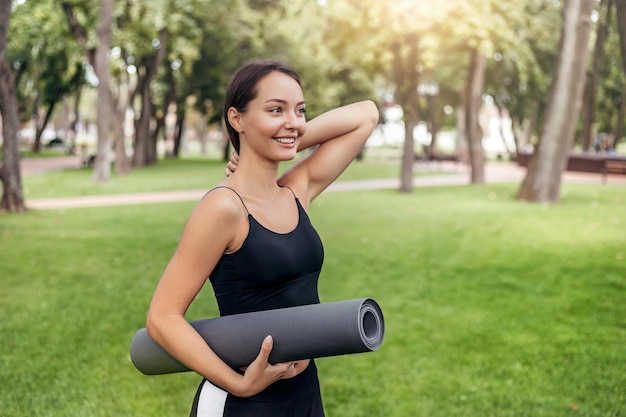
(32, 166)
(452, 174)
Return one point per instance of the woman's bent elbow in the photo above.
(370, 114)
(152, 326)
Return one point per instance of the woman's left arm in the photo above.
(341, 134)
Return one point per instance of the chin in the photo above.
(285, 158)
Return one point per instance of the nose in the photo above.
(294, 121)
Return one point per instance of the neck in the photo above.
(255, 177)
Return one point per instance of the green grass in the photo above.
(168, 175)
(493, 307)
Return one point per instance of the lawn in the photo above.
(493, 307)
(177, 174)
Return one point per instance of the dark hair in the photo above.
(243, 89)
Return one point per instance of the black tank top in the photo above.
(271, 270)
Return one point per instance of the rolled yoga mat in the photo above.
(303, 332)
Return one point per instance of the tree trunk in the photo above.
(408, 155)
(5, 15)
(501, 113)
(620, 11)
(528, 125)
(589, 98)
(102, 166)
(144, 153)
(178, 133)
(543, 178)
(159, 127)
(618, 131)
(122, 162)
(75, 121)
(434, 125)
(99, 61)
(142, 126)
(473, 96)
(35, 120)
(461, 140)
(119, 106)
(39, 128)
(406, 78)
(12, 197)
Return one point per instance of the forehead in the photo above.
(279, 86)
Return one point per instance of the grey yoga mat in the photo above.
(303, 332)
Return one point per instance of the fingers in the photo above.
(266, 348)
(277, 369)
(260, 373)
(231, 166)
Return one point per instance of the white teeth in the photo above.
(285, 140)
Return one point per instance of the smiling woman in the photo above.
(276, 114)
(252, 237)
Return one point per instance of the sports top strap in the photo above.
(228, 188)
(242, 202)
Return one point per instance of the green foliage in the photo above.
(219, 52)
(613, 82)
(342, 49)
(47, 63)
(492, 307)
(520, 70)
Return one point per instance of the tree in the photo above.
(591, 86)
(12, 197)
(98, 58)
(390, 54)
(48, 68)
(610, 91)
(145, 144)
(621, 28)
(405, 52)
(473, 100)
(518, 76)
(486, 37)
(56, 81)
(543, 178)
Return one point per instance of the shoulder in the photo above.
(297, 182)
(217, 217)
(221, 204)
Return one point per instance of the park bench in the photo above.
(88, 160)
(613, 166)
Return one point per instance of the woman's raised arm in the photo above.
(341, 134)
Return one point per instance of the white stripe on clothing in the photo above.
(211, 401)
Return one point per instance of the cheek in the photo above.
(262, 126)
(302, 129)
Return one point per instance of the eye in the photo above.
(276, 110)
(302, 110)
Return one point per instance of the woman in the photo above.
(252, 237)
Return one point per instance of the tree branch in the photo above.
(79, 32)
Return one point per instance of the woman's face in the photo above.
(275, 120)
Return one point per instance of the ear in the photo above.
(235, 119)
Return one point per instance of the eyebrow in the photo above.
(280, 100)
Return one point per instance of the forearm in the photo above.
(339, 122)
(184, 343)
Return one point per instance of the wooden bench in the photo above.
(88, 160)
(613, 166)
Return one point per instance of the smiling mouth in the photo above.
(285, 141)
